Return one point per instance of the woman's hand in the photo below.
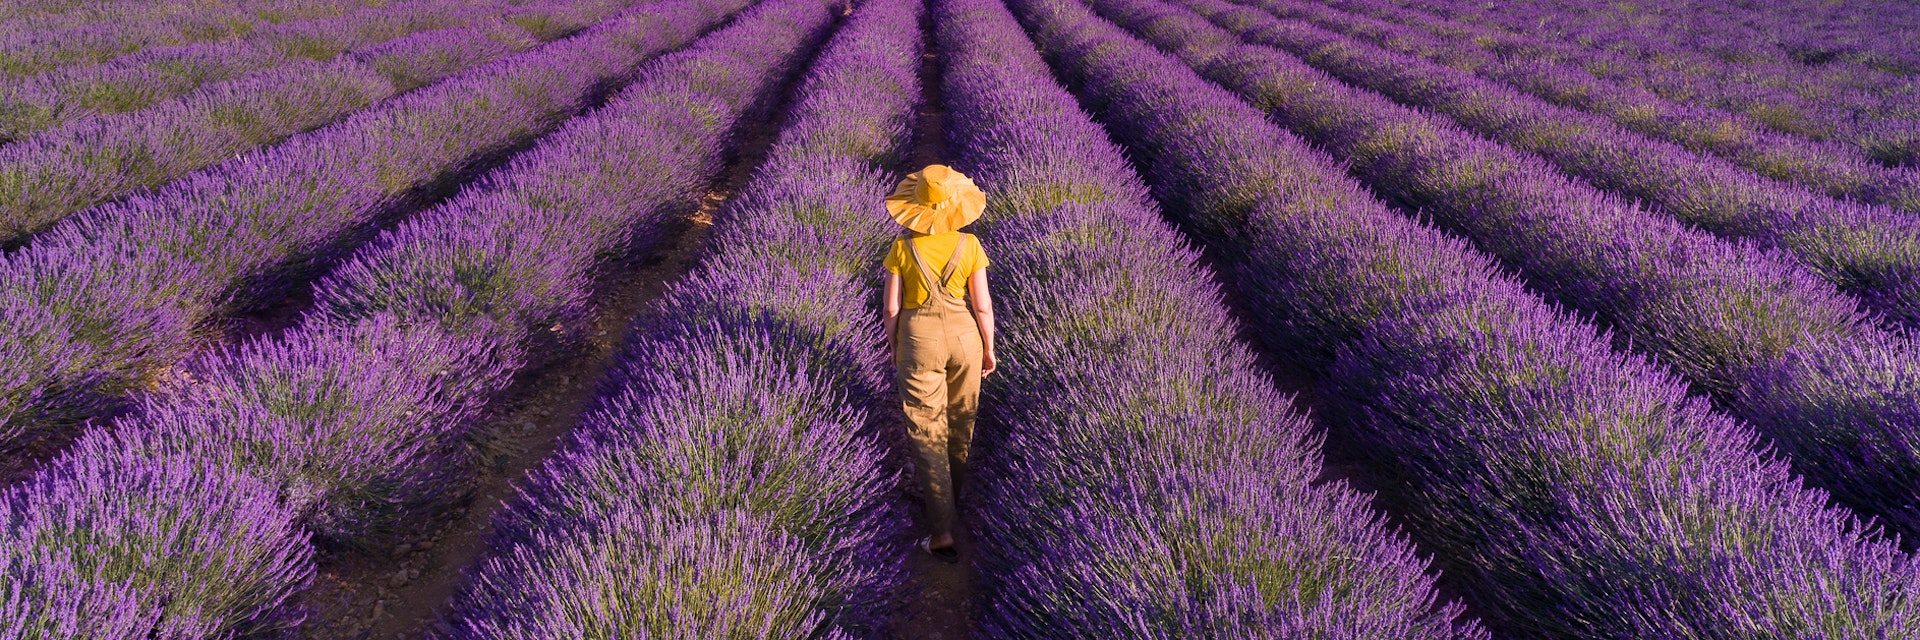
(987, 363)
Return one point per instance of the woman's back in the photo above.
(936, 249)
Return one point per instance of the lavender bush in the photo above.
(95, 160)
(1138, 476)
(30, 51)
(357, 425)
(119, 548)
(1575, 492)
(1780, 96)
(1762, 337)
(732, 483)
(143, 79)
(110, 297)
(1874, 40)
(355, 411)
(1873, 252)
(349, 422)
(1836, 169)
(44, 15)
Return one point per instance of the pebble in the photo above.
(399, 578)
(403, 549)
(426, 546)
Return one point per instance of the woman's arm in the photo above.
(890, 309)
(982, 303)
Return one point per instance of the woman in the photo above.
(938, 317)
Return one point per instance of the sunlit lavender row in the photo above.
(1787, 98)
(105, 301)
(1763, 337)
(1142, 478)
(98, 159)
(140, 80)
(1873, 252)
(1573, 491)
(733, 481)
(1832, 38)
(1344, 319)
(1834, 168)
(30, 47)
(350, 425)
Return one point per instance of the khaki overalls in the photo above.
(938, 363)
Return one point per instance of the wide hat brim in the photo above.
(960, 209)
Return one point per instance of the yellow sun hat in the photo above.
(936, 199)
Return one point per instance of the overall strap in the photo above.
(953, 261)
(938, 287)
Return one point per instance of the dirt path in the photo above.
(360, 596)
(941, 608)
(397, 595)
(278, 297)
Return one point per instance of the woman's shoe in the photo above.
(946, 554)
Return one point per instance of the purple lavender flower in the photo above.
(118, 292)
(110, 545)
(1724, 316)
(1573, 491)
(733, 482)
(1138, 476)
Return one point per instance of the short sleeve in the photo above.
(977, 258)
(896, 258)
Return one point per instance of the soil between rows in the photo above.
(276, 299)
(403, 594)
(399, 595)
(942, 593)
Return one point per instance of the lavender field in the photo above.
(1318, 319)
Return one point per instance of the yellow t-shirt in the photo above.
(935, 248)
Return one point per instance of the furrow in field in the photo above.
(1139, 476)
(154, 76)
(110, 300)
(30, 49)
(1836, 169)
(732, 480)
(1577, 492)
(1869, 251)
(91, 161)
(350, 426)
(1784, 99)
(1758, 334)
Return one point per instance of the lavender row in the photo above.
(30, 51)
(1871, 40)
(1138, 477)
(43, 15)
(1832, 168)
(1574, 492)
(1871, 252)
(112, 296)
(143, 79)
(353, 422)
(1887, 129)
(734, 481)
(1766, 340)
(1746, 59)
(98, 160)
